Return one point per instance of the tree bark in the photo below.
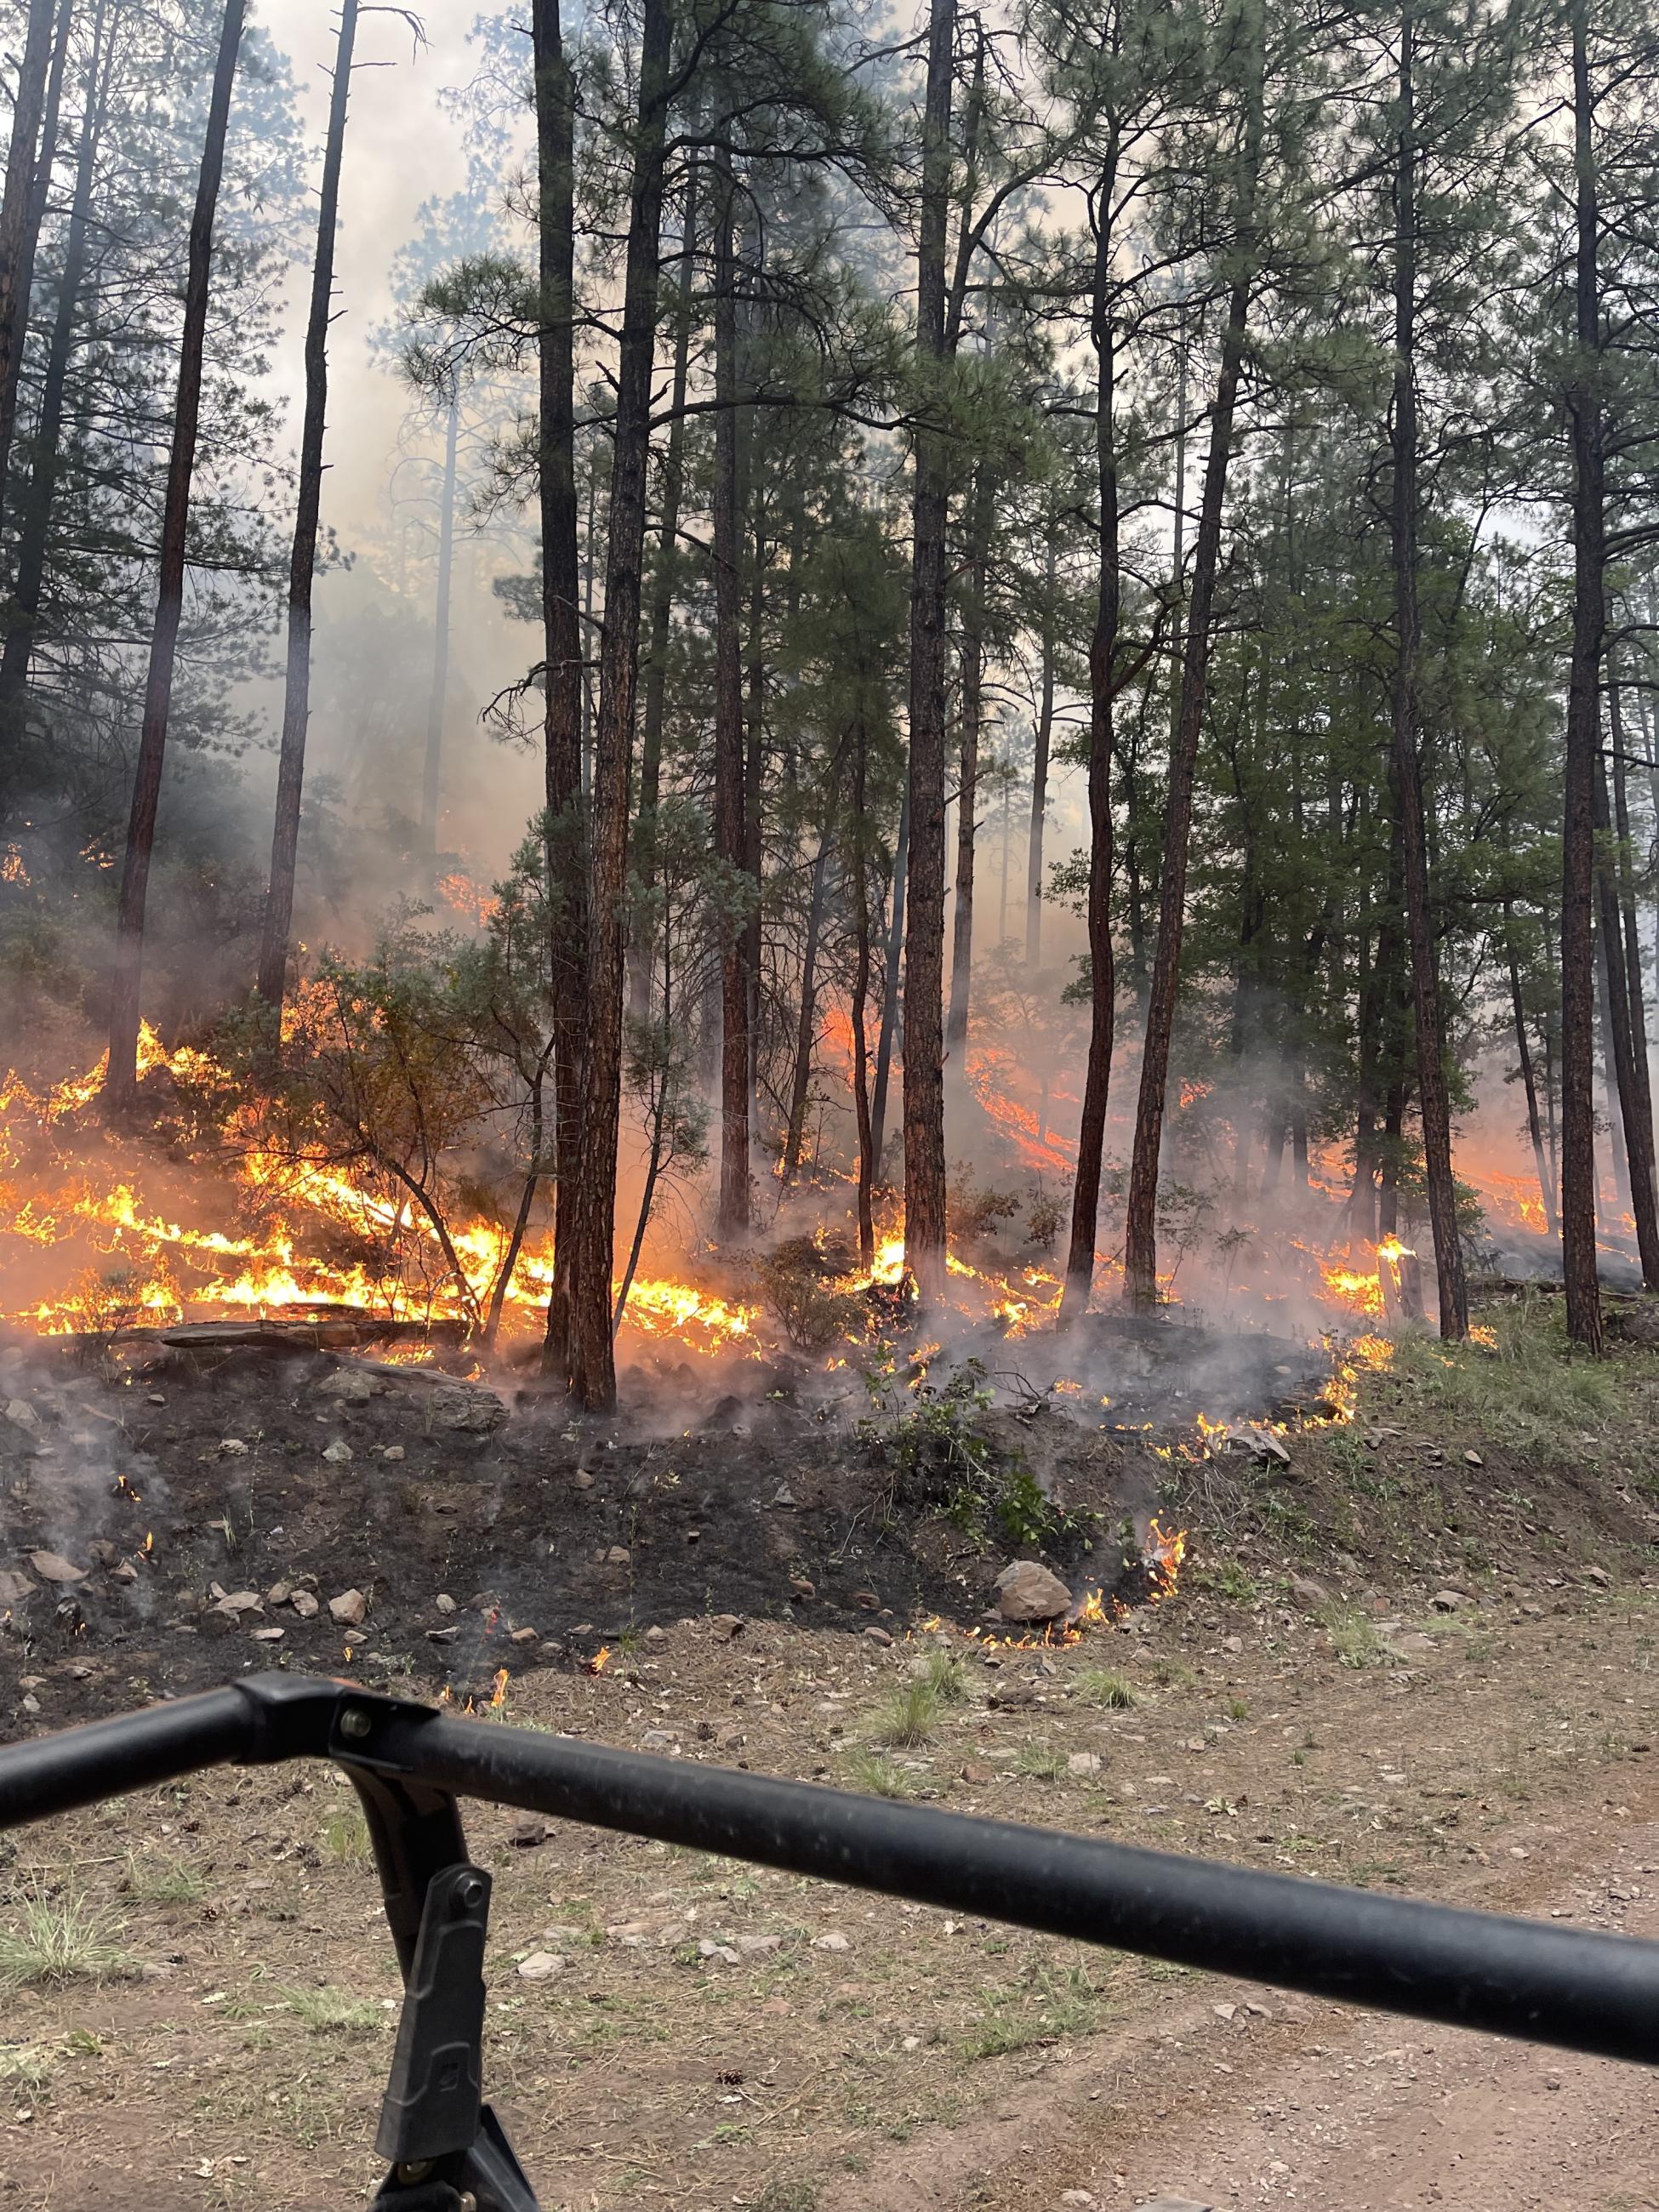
(438, 697)
(981, 518)
(1140, 1231)
(121, 1083)
(302, 565)
(1433, 1100)
(662, 601)
(564, 675)
(21, 203)
(891, 1000)
(1638, 1150)
(1044, 737)
(1583, 408)
(1626, 880)
(587, 1226)
(924, 947)
(47, 444)
(732, 1219)
(1103, 658)
(1528, 1080)
(806, 1026)
(866, 1167)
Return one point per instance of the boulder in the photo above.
(53, 1567)
(1028, 1591)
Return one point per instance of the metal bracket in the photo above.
(432, 2102)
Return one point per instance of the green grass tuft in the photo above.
(1100, 1685)
(908, 1716)
(60, 1938)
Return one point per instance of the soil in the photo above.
(1460, 1704)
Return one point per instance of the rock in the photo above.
(1084, 1762)
(1599, 1576)
(1472, 1459)
(783, 1495)
(1173, 2204)
(656, 1637)
(1306, 1595)
(757, 1947)
(1006, 1697)
(244, 1600)
(1027, 1591)
(833, 1940)
(443, 1602)
(393, 1452)
(726, 1626)
(522, 1636)
(1447, 1601)
(867, 1600)
(708, 1948)
(529, 1830)
(222, 1617)
(1224, 2011)
(619, 1556)
(123, 1573)
(351, 1608)
(581, 1479)
(978, 1776)
(232, 1447)
(53, 1567)
(801, 1587)
(656, 1739)
(338, 1454)
(1414, 1644)
(31, 1703)
(268, 1635)
(1077, 2196)
(879, 1635)
(279, 1593)
(349, 1385)
(22, 1415)
(14, 1588)
(304, 1604)
(477, 1410)
(442, 1635)
(540, 1966)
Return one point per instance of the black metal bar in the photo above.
(56, 1773)
(1533, 1980)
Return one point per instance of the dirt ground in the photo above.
(1461, 1706)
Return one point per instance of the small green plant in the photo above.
(1100, 1686)
(908, 1717)
(1051, 2009)
(788, 2196)
(1041, 1761)
(1173, 1674)
(880, 1778)
(1238, 1709)
(329, 2011)
(1352, 1634)
(1220, 1575)
(948, 1678)
(26, 2069)
(345, 1834)
(154, 1878)
(63, 1937)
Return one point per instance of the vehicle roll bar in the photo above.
(1539, 1980)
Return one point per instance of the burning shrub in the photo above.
(802, 1293)
(975, 1212)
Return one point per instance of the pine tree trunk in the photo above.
(662, 601)
(1638, 1150)
(587, 1226)
(565, 677)
(1627, 879)
(733, 1218)
(1583, 408)
(22, 202)
(924, 944)
(37, 500)
(1044, 736)
(1528, 1081)
(866, 1167)
(806, 1026)
(1140, 1228)
(1103, 669)
(1433, 1099)
(438, 697)
(890, 993)
(302, 565)
(973, 707)
(121, 1083)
